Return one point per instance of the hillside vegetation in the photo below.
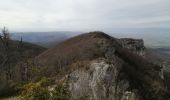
(15, 56)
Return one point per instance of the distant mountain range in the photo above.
(46, 39)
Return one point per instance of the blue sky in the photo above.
(84, 15)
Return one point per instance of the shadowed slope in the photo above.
(28, 50)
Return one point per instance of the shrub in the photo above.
(61, 92)
(34, 91)
(39, 91)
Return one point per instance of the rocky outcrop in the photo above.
(135, 45)
(100, 82)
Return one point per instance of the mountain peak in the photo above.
(98, 34)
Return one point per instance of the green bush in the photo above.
(39, 91)
(61, 92)
(34, 91)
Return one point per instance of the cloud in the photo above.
(78, 15)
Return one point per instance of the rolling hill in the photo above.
(45, 39)
(28, 50)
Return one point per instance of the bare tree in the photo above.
(5, 39)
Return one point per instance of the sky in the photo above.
(84, 15)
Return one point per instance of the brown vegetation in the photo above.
(83, 47)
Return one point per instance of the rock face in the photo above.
(135, 45)
(100, 82)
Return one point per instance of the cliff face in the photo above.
(101, 79)
(134, 45)
(101, 67)
(100, 82)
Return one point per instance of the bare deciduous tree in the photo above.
(5, 39)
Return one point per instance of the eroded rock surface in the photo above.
(135, 45)
(100, 82)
